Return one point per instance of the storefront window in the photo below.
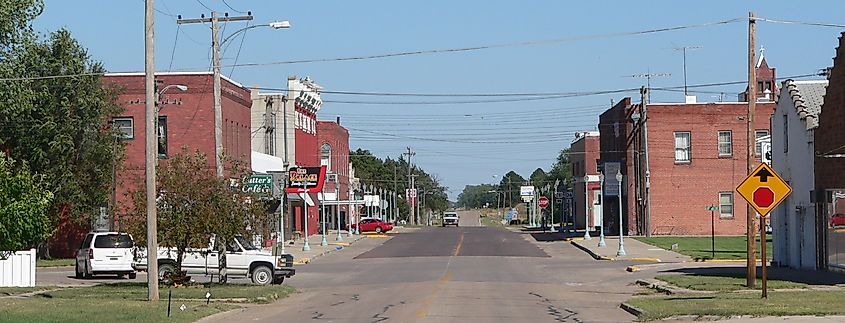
(836, 229)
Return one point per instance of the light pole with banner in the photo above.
(586, 209)
(323, 241)
(602, 243)
(337, 207)
(621, 251)
(303, 171)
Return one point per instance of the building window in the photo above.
(726, 204)
(758, 146)
(785, 134)
(162, 137)
(683, 148)
(326, 156)
(125, 127)
(725, 143)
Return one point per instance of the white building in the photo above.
(793, 123)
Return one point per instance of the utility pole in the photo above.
(411, 216)
(751, 274)
(218, 111)
(647, 173)
(151, 152)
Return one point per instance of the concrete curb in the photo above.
(590, 252)
(307, 260)
(720, 260)
(631, 309)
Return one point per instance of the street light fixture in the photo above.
(621, 251)
(586, 209)
(601, 211)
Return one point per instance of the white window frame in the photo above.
(687, 149)
(123, 134)
(728, 143)
(722, 209)
(758, 146)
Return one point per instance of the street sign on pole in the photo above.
(543, 202)
(764, 189)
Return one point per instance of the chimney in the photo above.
(338, 120)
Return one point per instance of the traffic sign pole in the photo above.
(763, 254)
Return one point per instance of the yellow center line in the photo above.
(458, 247)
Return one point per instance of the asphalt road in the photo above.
(464, 274)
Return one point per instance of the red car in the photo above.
(837, 219)
(373, 225)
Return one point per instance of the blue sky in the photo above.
(466, 143)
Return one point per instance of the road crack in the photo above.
(378, 316)
(560, 315)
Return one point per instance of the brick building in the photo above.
(686, 157)
(829, 194)
(186, 119)
(584, 152)
(304, 95)
(334, 154)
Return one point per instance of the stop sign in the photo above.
(763, 197)
(543, 202)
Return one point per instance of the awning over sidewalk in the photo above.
(264, 163)
(297, 197)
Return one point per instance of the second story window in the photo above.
(326, 156)
(683, 147)
(725, 143)
(758, 146)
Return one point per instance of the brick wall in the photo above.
(829, 139)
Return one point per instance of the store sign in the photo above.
(306, 179)
(261, 184)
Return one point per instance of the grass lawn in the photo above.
(55, 262)
(126, 302)
(723, 283)
(727, 304)
(491, 221)
(730, 247)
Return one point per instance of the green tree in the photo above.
(562, 168)
(24, 203)
(194, 205)
(59, 126)
(476, 196)
(510, 184)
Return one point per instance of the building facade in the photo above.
(334, 154)
(793, 154)
(829, 193)
(584, 157)
(677, 159)
(304, 97)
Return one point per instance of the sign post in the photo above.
(764, 189)
(712, 209)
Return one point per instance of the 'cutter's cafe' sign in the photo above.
(306, 179)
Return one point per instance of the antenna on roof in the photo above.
(684, 49)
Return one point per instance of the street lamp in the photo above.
(621, 251)
(601, 210)
(323, 241)
(283, 24)
(586, 210)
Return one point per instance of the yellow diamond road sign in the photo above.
(764, 189)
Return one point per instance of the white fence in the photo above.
(18, 270)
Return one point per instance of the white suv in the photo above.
(105, 253)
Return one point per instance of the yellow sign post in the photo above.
(764, 190)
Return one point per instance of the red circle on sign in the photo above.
(543, 202)
(763, 197)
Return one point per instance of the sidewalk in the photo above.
(634, 250)
(301, 257)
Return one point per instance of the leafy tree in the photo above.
(194, 205)
(562, 168)
(378, 173)
(510, 184)
(476, 196)
(59, 126)
(24, 203)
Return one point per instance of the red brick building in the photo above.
(334, 154)
(830, 166)
(695, 158)
(304, 94)
(584, 156)
(186, 119)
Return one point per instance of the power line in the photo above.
(796, 22)
(233, 9)
(173, 51)
(243, 37)
(202, 4)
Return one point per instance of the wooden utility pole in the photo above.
(215, 54)
(411, 214)
(151, 152)
(751, 274)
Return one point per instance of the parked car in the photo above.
(837, 219)
(242, 260)
(105, 253)
(450, 218)
(373, 225)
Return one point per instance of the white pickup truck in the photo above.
(242, 260)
